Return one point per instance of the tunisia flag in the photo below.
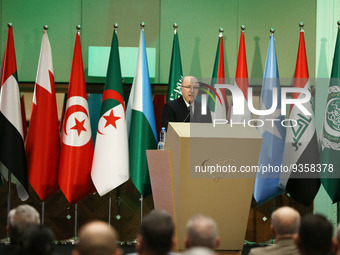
(43, 141)
(77, 146)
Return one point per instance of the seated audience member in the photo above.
(37, 240)
(156, 234)
(285, 223)
(21, 219)
(338, 239)
(202, 231)
(97, 238)
(315, 236)
(199, 251)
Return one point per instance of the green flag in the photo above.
(176, 72)
(110, 167)
(220, 110)
(141, 123)
(330, 137)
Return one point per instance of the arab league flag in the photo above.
(301, 146)
(176, 72)
(219, 111)
(241, 80)
(43, 139)
(141, 122)
(77, 146)
(110, 166)
(273, 133)
(12, 150)
(330, 137)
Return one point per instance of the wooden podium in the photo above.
(179, 187)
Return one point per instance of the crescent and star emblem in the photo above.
(111, 117)
(76, 120)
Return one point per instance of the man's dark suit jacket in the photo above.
(177, 111)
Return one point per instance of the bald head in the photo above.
(189, 88)
(202, 231)
(285, 220)
(97, 238)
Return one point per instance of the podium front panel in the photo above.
(226, 200)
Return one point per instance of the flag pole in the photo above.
(110, 209)
(141, 208)
(75, 221)
(115, 25)
(43, 202)
(142, 25)
(74, 239)
(8, 201)
(9, 176)
(42, 213)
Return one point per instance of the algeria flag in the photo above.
(110, 166)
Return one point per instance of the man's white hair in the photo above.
(202, 231)
(23, 217)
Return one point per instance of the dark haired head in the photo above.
(157, 230)
(37, 240)
(315, 235)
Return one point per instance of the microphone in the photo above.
(189, 112)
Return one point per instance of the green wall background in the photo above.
(199, 21)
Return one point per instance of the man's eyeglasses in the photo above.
(191, 87)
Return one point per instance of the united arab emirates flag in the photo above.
(12, 151)
(110, 166)
(141, 123)
(330, 139)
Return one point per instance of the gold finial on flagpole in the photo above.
(175, 25)
(142, 25)
(10, 25)
(221, 30)
(301, 25)
(243, 28)
(115, 25)
(45, 27)
(272, 31)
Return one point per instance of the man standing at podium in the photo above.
(185, 108)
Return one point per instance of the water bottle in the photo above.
(161, 142)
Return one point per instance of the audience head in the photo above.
(37, 240)
(338, 237)
(97, 238)
(20, 220)
(285, 222)
(189, 88)
(156, 233)
(202, 231)
(315, 235)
